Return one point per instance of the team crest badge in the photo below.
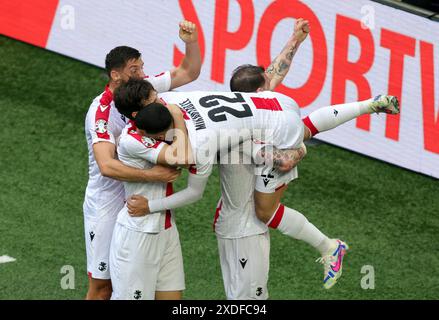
(101, 126)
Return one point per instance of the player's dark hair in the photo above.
(154, 118)
(130, 95)
(119, 57)
(247, 78)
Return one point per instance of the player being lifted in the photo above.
(210, 118)
(104, 196)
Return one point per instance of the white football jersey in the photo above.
(104, 123)
(218, 120)
(141, 152)
(235, 215)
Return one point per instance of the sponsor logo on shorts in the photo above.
(92, 235)
(102, 266)
(267, 177)
(259, 291)
(137, 294)
(243, 262)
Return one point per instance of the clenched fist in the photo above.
(301, 29)
(188, 31)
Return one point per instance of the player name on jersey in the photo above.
(190, 109)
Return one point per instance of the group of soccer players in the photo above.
(140, 134)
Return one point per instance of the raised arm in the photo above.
(190, 67)
(280, 66)
(104, 153)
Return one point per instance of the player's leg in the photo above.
(289, 221)
(327, 118)
(245, 266)
(170, 278)
(99, 289)
(134, 264)
(98, 234)
(168, 295)
(268, 194)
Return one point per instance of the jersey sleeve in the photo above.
(192, 193)
(161, 82)
(142, 148)
(99, 127)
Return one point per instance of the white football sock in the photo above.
(294, 224)
(328, 118)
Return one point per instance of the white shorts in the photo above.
(143, 263)
(244, 265)
(269, 180)
(98, 233)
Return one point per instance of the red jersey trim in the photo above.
(193, 169)
(103, 114)
(169, 191)
(266, 103)
(217, 214)
(133, 133)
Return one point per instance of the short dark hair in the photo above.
(129, 96)
(119, 56)
(247, 78)
(154, 118)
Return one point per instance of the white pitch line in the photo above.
(5, 259)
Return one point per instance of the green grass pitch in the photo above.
(389, 216)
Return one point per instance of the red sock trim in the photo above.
(277, 217)
(310, 125)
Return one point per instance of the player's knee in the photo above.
(99, 290)
(105, 292)
(264, 211)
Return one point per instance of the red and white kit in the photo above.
(220, 120)
(104, 197)
(243, 240)
(145, 253)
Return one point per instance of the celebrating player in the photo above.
(145, 256)
(218, 117)
(104, 196)
(230, 212)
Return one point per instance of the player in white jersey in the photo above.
(248, 78)
(212, 119)
(243, 239)
(215, 118)
(146, 262)
(104, 195)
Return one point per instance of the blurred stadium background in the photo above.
(388, 214)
